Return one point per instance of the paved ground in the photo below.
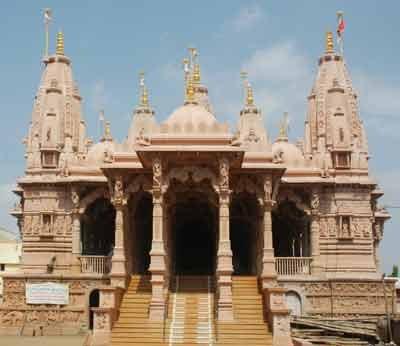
(41, 340)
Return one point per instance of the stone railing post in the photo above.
(76, 232)
(274, 295)
(118, 260)
(315, 230)
(224, 254)
(157, 253)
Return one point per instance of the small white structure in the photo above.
(10, 254)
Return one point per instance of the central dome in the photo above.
(191, 114)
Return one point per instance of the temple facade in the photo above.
(191, 197)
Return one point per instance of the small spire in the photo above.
(284, 126)
(249, 96)
(144, 96)
(196, 74)
(329, 47)
(107, 131)
(190, 90)
(60, 43)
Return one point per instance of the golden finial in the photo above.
(107, 131)
(284, 126)
(190, 90)
(329, 47)
(196, 74)
(60, 43)
(144, 96)
(249, 96)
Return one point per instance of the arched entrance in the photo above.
(194, 230)
(244, 233)
(293, 301)
(141, 214)
(94, 302)
(98, 228)
(290, 231)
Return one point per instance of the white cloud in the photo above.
(247, 17)
(379, 104)
(377, 96)
(282, 77)
(280, 63)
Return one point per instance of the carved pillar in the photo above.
(76, 232)
(118, 261)
(157, 253)
(224, 254)
(314, 228)
(268, 271)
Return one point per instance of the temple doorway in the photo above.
(244, 233)
(291, 234)
(194, 231)
(98, 228)
(141, 232)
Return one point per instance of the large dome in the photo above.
(193, 114)
(101, 151)
(288, 153)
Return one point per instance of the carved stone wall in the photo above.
(15, 313)
(343, 299)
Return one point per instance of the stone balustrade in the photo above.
(290, 266)
(95, 264)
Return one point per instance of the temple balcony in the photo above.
(95, 264)
(293, 266)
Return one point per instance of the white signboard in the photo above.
(47, 293)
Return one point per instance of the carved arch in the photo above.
(141, 182)
(293, 197)
(198, 174)
(100, 192)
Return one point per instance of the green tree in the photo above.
(395, 271)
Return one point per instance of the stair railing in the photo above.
(215, 321)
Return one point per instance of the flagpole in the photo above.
(101, 123)
(47, 19)
(340, 31)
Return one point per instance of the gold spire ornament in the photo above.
(144, 96)
(284, 126)
(249, 96)
(60, 43)
(329, 46)
(107, 131)
(196, 74)
(190, 90)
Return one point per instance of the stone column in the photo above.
(76, 232)
(157, 253)
(224, 254)
(274, 295)
(314, 230)
(268, 270)
(118, 261)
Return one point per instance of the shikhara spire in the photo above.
(334, 132)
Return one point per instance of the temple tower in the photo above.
(334, 133)
(57, 130)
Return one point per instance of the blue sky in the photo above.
(111, 41)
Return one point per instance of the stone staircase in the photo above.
(191, 315)
(191, 311)
(248, 327)
(133, 326)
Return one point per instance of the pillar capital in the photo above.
(118, 194)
